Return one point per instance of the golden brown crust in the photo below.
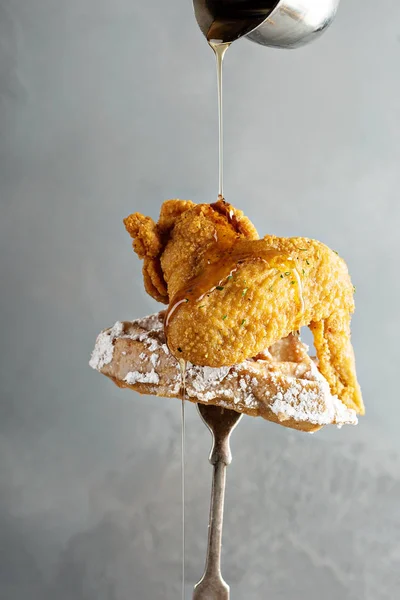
(147, 241)
(154, 282)
(170, 211)
(236, 218)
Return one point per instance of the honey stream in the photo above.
(182, 366)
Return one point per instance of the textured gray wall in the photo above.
(109, 107)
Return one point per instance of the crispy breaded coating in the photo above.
(231, 295)
(149, 239)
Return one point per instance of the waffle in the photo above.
(282, 384)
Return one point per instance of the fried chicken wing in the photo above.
(231, 294)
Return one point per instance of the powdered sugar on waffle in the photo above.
(136, 377)
(104, 348)
(303, 397)
(150, 333)
(317, 407)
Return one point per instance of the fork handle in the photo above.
(212, 586)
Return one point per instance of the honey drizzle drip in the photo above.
(182, 365)
(217, 274)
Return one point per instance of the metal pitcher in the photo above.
(282, 24)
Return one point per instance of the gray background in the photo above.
(110, 107)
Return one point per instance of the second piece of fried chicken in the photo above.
(231, 295)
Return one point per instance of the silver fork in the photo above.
(221, 422)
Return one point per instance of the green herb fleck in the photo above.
(281, 276)
(307, 262)
(302, 249)
(179, 349)
(230, 277)
(243, 322)
(292, 282)
(244, 291)
(202, 306)
(271, 287)
(224, 317)
(220, 287)
(303, 271)
(354, 289)
(287, 273)
(336, 252)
